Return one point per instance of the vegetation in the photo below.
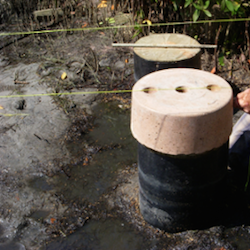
(230, 36)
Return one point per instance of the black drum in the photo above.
(182, 192)
(148, 60)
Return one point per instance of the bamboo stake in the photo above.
(172, 46)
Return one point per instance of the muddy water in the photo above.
(106, 150)
(112, 148)
(101, 235)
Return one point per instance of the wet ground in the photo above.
(68, 163)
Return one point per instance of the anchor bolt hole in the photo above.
(181, 89)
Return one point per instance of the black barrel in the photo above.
(182, 192)
(148, 60)
(183, 147)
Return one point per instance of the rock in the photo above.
(119, 65)
(105, 62)
(121, 19)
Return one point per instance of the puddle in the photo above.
(40, 184)
(39, 215)
(89, 182)
(111, 129)
(100, 235)
(115, 148)
(112, 125)
(111, 148)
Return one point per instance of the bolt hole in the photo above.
(213, 87)
(181, 89)
(149, 90)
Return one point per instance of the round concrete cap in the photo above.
(166, 54)
(181, 111)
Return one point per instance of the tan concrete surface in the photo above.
(166, 54)
(181, 111)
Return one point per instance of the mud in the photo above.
(68, 163)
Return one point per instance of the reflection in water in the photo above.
(101, 235)
(111, 133)
(87, 181)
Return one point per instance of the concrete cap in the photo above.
(181, 111)
(166, 54)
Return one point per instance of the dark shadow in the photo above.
(236, 90)
(237, 200)
(237, 212)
